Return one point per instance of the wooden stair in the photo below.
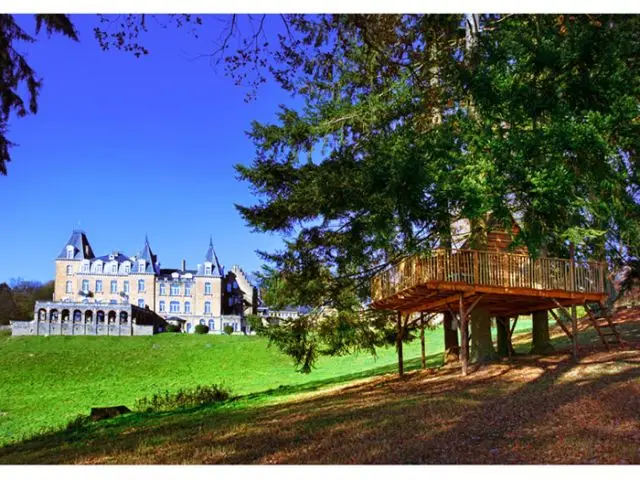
(601, 319)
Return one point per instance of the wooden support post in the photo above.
(574, 315)
(473, 305)
(508, 327)
(422, 345)
(464, 337)
(515, 322)
(399, 344)
(559, 322)
(574, 331)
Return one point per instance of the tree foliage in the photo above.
(403, 126)
(26, 293)
(8, 308)
(18, 75)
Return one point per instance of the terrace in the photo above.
(507, 284)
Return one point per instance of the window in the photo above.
(235, 284)
(230, 301)
(114, 268)
(141, 285)
(141, 265)
(212, 324)
(97, 267)
(228, 287)
(85, 267)
(207, 307)
(174, 307)
(69, 251)
(69, 287)
(175, 289)
(114, 286)
(187, 307)
(98, 286)
(207, 269)
(126, 286)
(187, 290)
(141, 303)
(207, 288)
(127, 268)
(85, 285)
(69, 269)
(162, 305)
(163, 289)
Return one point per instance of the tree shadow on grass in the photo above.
(523, 411)
(508, 413)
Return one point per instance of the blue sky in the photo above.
(127, 147)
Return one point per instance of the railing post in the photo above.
(476, 268)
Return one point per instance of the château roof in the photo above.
(118, 257)
(150, 258)
(82, 248)
(211, 257)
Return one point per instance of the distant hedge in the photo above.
(202, 329)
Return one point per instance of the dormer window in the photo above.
(141, 266)
(97, 267)
(114, 268)
(127, 268)
(85, 267)
(70, 251)
(207, 269)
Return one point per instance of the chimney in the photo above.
(184, 265)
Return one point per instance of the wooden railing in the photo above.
(500, 269)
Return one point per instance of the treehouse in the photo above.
(505, 282)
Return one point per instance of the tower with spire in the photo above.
(208, 279)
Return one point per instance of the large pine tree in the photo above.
(539, 118)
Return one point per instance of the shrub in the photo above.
(173, 328)
(202, 329)
(183, 398)
(255, 322)
(228, 329)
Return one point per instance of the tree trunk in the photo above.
(505, 348)
(422, 345)
(541, 343)
(451, 345)
(481, 344)
(399, 345)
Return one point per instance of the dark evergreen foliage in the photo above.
(17, 73)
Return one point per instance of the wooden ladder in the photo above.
(607, 331)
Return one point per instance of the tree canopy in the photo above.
(407, 123)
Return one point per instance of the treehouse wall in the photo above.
(498, 238)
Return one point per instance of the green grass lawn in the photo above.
(49, 381)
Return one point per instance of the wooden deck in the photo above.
(506, 283)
